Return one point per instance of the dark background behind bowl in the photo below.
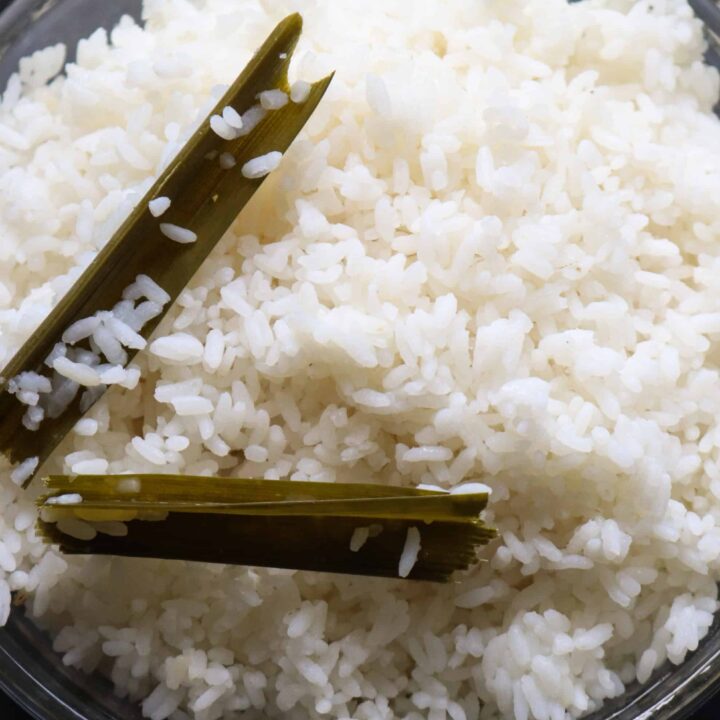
(10, 711)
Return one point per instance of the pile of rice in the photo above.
(494, 253)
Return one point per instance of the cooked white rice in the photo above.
(222, 128)
(232, 117)
(493, 254)
(78, 372)
(300, 91)
(66, 499)
(181, 235)
(272, 99)
(261, 166)
(409, 554)
(359, 538)
(23, 471)
(159, 206)
(251, 118)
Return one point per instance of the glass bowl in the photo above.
(30, 671)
